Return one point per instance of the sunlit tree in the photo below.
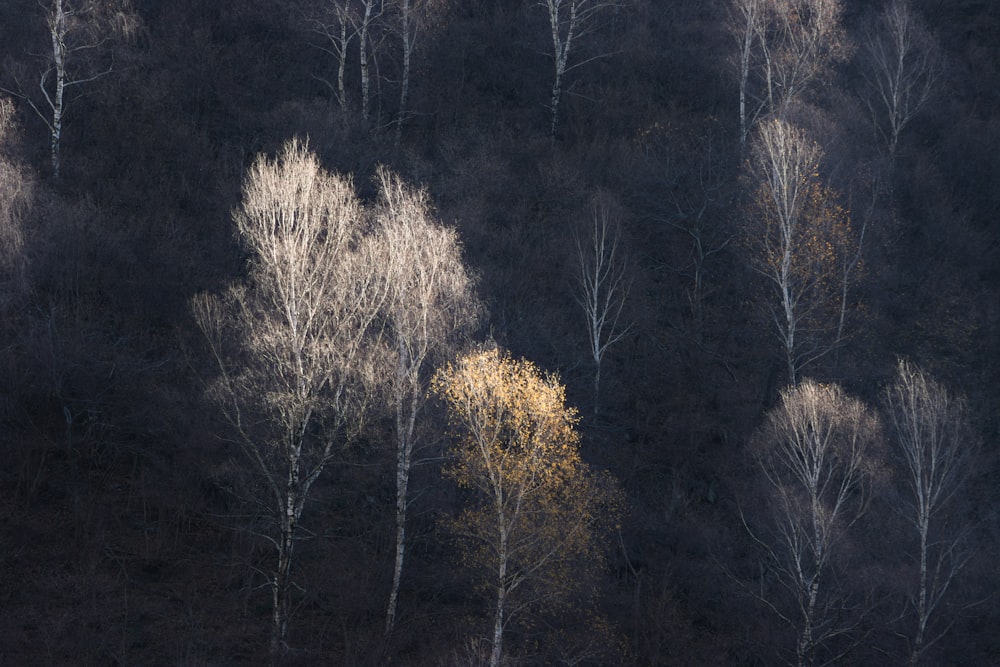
(802, 242)
(430, 308)
(934, 442)
(531, 525)
(816, 450)
(293, 345)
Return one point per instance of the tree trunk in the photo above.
(408, 39)
(58, 31)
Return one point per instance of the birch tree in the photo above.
(293, 345)
(783, 46)
(365, 20)
(77, 33)
(602, 285)
(569, 22)
(816, 452)
(935, 445)
(334, 23)
(902, 67)
(800, 240)
(747, 23)
(430, 308)
(532, 524)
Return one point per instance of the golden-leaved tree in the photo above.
(534, 523)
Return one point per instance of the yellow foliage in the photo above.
(537, 506)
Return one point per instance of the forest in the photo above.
(500, 332)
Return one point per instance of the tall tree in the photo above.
(293, 346)
(815, 450)
(602, 284)
(430, 308)
(333, 21)
(783, 46)
(569, 22)
(366, 18)
(77, 32)
(532, 525)
(936, 447)
(902, 66)
(801, 241)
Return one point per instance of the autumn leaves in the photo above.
(346, 310)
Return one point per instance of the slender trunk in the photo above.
(363, 55)
(556, 94)
(498, 617)
(408, 39)
(918, 641)
(789, 311)
(342, 65)
(407, 404)
(280, 586)
(597, 387)
(806, 640)
(58, 30)
(402, 482)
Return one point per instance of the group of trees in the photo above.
(297, 300)
(823, 454)
(345, 313)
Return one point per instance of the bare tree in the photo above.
(77, 31)
(569, 22)
(602, 284)
(800, 241)
(365, 20)
(902, 68)
(815, 450)
(935, 444)
(293, 345)
(332, 20)
(809, 38)
(783, 46)
(431, 306)
(747, 25)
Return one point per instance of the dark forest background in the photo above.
(125, 527)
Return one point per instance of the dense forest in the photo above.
(500, 332)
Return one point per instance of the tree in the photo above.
(365, 19)
(934, 443)
(902, 68)
(533, 523)
(333, 21)
(77, 31)
(783, 46)
(602, 284)
(430, 307)
(746, 24)
(294, 345)
(801, 241)
(808, 39)
(815, 450)
(569, 22)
